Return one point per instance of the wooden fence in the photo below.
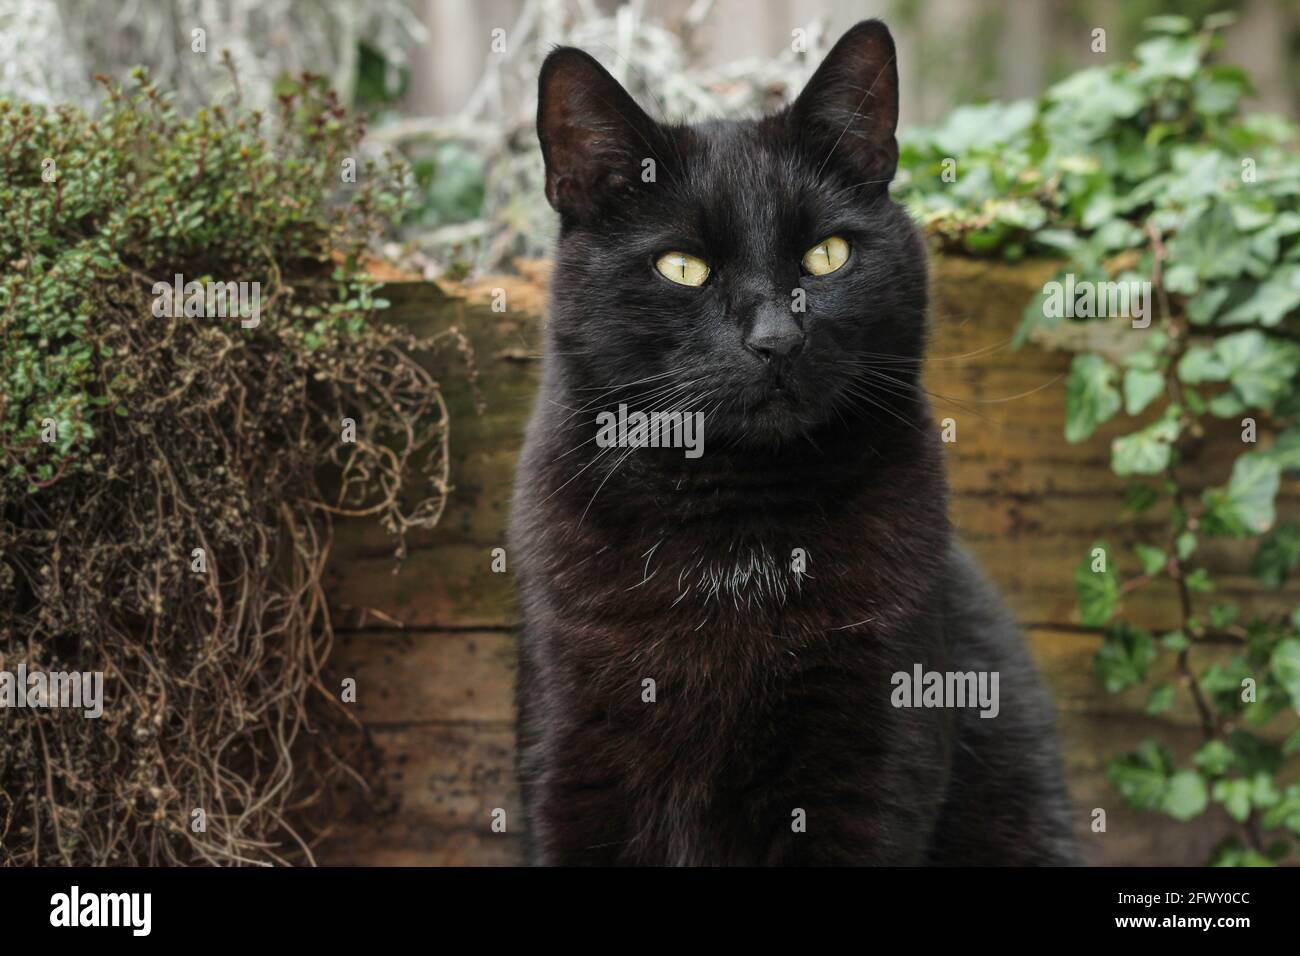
(435, 693)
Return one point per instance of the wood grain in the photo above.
(432, 644)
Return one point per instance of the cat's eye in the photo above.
(827, 256)
(682, 268)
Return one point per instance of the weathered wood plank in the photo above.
(1026, 501)
(415, 677)
(439, 703)
(442, 783)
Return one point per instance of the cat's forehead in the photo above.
(739, 156)
(741, 177)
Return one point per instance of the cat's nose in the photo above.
(774, 334)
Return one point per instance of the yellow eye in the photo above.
(682, 268)
(827, 256)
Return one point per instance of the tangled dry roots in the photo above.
(213, 698)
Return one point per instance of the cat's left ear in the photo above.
(595, 138)
(848, 112)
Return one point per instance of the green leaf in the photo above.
(1091, 397)
(1149, 451)
(1098, 590)
(1161, 699)
(1211, 247)
(1168, 24)
(1140, 498)
(1292, 743)
(1186, 795)
(1153, 559)
(1285, 663)
(1175, 641)
(1260, 368)
(1277, 556)
(1140, 389)
(1168, 57)
(1246, 505)
(1214, 758)
(1235, 796)
(1124, 656)
(1142, 777)
(1286, 812)
(1271, 301)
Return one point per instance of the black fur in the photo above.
(773, 687)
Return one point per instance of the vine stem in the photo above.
(1179, 335)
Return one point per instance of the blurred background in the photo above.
(450, 83)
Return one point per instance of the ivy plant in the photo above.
(1150, 173)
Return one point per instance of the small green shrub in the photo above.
(164, 512)
(1149, 172)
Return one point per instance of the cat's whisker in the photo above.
(679, 408)
(904, 389)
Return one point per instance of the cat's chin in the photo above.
(777, 419)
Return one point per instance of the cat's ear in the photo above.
(848, 112)
(595, 139)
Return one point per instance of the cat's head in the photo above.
(754, 270)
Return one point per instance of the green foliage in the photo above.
(174, 535)
(137, 195)
(1148, 171)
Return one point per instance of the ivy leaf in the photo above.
(1271, 301)
(1231, 853)
(1139, 498)
(1285, 663)
(1201, 364)
(1098, 590)
(1161, 699)
(1186, 795)
(1292, 743)
(1254, 754)
(1211, 246)
(1140, 389)
(1175, 641)
(1124, 656)
(1214, 757)
(1091, 397)
(1168, 57)
(1277, 555)
(1169, 23)
(1152, 559)
(1235, 796)
(1149, 451)
(1247, 502)
(1286, 812)
(1259, 368)
(1142, 776)
(1223, 615)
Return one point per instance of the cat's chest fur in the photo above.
(691, 655)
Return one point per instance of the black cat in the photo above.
(717, 637)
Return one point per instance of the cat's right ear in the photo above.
(595, 138)
(848, 112)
